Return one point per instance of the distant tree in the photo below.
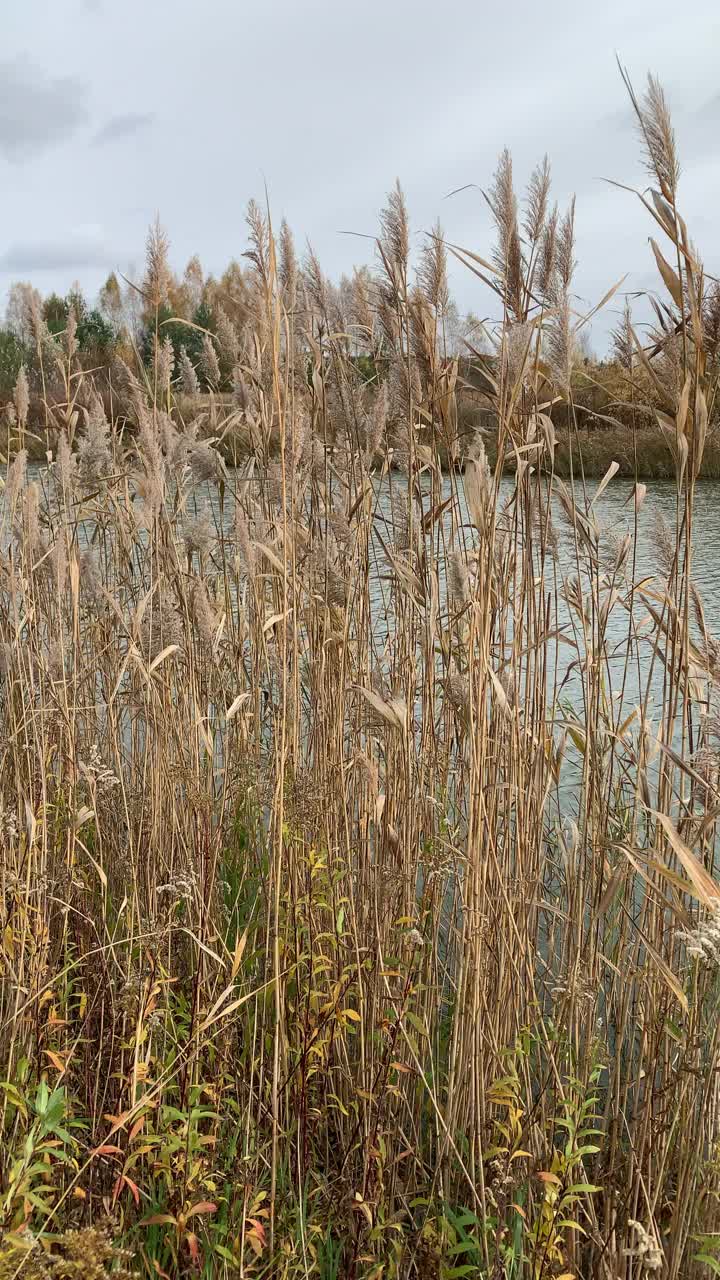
(233, 293)
(194, 281)
(55, 313)
(110, 301)
(13, 354)
(95, 333)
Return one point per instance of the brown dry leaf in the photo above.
(393, 714)
(706, 890)
(682, 410)
(670, 277)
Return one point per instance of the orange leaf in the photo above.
(194, 1247)
(157, 1220)
(550, 1177)
(107, 1149)
(136, 1128)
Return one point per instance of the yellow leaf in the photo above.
(237, 957)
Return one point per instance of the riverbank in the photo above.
(645, 453)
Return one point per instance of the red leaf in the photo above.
(123, 1180)
(259, 1229)
(194, 1248)
(202, 1206)
(157, 1219)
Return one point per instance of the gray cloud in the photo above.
(37, 110)
(74, 254)
(119, 127)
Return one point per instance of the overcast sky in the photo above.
(112, 112)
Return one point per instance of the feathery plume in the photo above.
(71, 342)
(432, 272)
(94, 449)
(188, 376)
(507, 254)
(288, 268)
(259, 251)
(458, 579)
(537, 201)
(394, 242)
(658, 135)
(164, 361)
(198, 534)
(158, 276)
(227, 337)
(209, 362)
(565, 262)
(21, 396)
(547, 257)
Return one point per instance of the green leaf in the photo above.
(224, 1253)
(709, 1261)
(463, 1246)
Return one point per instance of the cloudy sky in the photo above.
(112, 112)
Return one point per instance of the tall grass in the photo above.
(358, 916)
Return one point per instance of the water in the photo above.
(615, 514)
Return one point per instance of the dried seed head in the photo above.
(95, 447)
(198, 534)
(158, 277)
(206, 462)
(227, 337)
(164, 362)
(21, 396)
(458, 580)
(209, 362)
